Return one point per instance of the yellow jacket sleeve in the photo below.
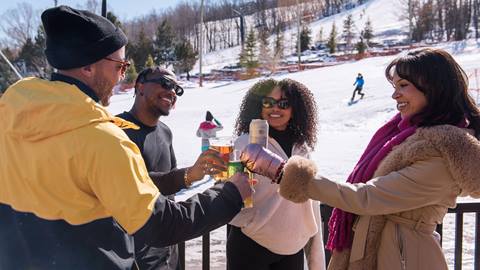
(118, 177)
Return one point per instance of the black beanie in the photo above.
(76, 38)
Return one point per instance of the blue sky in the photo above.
(124, 9)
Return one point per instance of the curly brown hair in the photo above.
(303, 123)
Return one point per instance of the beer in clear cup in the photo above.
(224, 145)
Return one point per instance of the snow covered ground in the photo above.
(344, 130)
(343, 133)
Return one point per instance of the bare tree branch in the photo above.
(19, 24)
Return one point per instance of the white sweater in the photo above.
(281, 226)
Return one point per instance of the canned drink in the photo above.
(258, 132)
(234, 167)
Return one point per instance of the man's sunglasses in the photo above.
(269, 102)
(166, 84)
(124, 64)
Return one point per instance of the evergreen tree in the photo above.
(140, 50)
(320, 36)
(265, 57)
(26, 57)
(361, 46)
(31, 57)
(149, 63)
(248, 58)
(131, 73)
(277, 54)
(185, 57)
(7, 76)
(305, 38)
(40, 60)
(113, 18)
(279, 47)
(332, 39)
(348, 31)
(367, 33)
(164, 47)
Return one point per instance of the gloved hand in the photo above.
(262, 161)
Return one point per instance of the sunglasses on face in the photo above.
(166, 84)
(269, 102)
(124, 64)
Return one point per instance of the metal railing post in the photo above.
(206, 251)
(326, 212)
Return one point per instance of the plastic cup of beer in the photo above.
(224, 145)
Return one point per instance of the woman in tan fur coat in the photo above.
(412, 171)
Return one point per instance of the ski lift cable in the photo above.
(10, 64)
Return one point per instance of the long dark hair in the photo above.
(444, 83)
(303, 123)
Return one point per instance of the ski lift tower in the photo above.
(242, 26)
(299, 22)
(200, 47)
(104, 8)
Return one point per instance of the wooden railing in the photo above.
(326, 212)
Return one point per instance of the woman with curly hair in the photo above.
(412, 171)
(273, 234)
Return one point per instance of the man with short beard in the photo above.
(156, 92)
(74, 188)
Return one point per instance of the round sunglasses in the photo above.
(269, 102)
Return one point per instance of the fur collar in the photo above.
(457, 146)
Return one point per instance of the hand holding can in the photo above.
(234, 166)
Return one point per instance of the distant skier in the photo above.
(359, 82)
(208, 129)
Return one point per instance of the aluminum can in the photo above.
(258, 132)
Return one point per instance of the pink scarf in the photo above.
(393, 133)
(207, 125)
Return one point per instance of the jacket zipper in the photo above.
(401, 248)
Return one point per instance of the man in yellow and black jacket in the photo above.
(73, 188)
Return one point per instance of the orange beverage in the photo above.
(248, 202)
(224, 146)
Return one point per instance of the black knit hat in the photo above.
(76, 38)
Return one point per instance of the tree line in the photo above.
(172, 37)
(442, 20)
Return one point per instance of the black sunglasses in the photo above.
(166, 84)
(269, 102)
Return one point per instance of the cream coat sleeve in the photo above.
(420, 184)
(314, 250)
